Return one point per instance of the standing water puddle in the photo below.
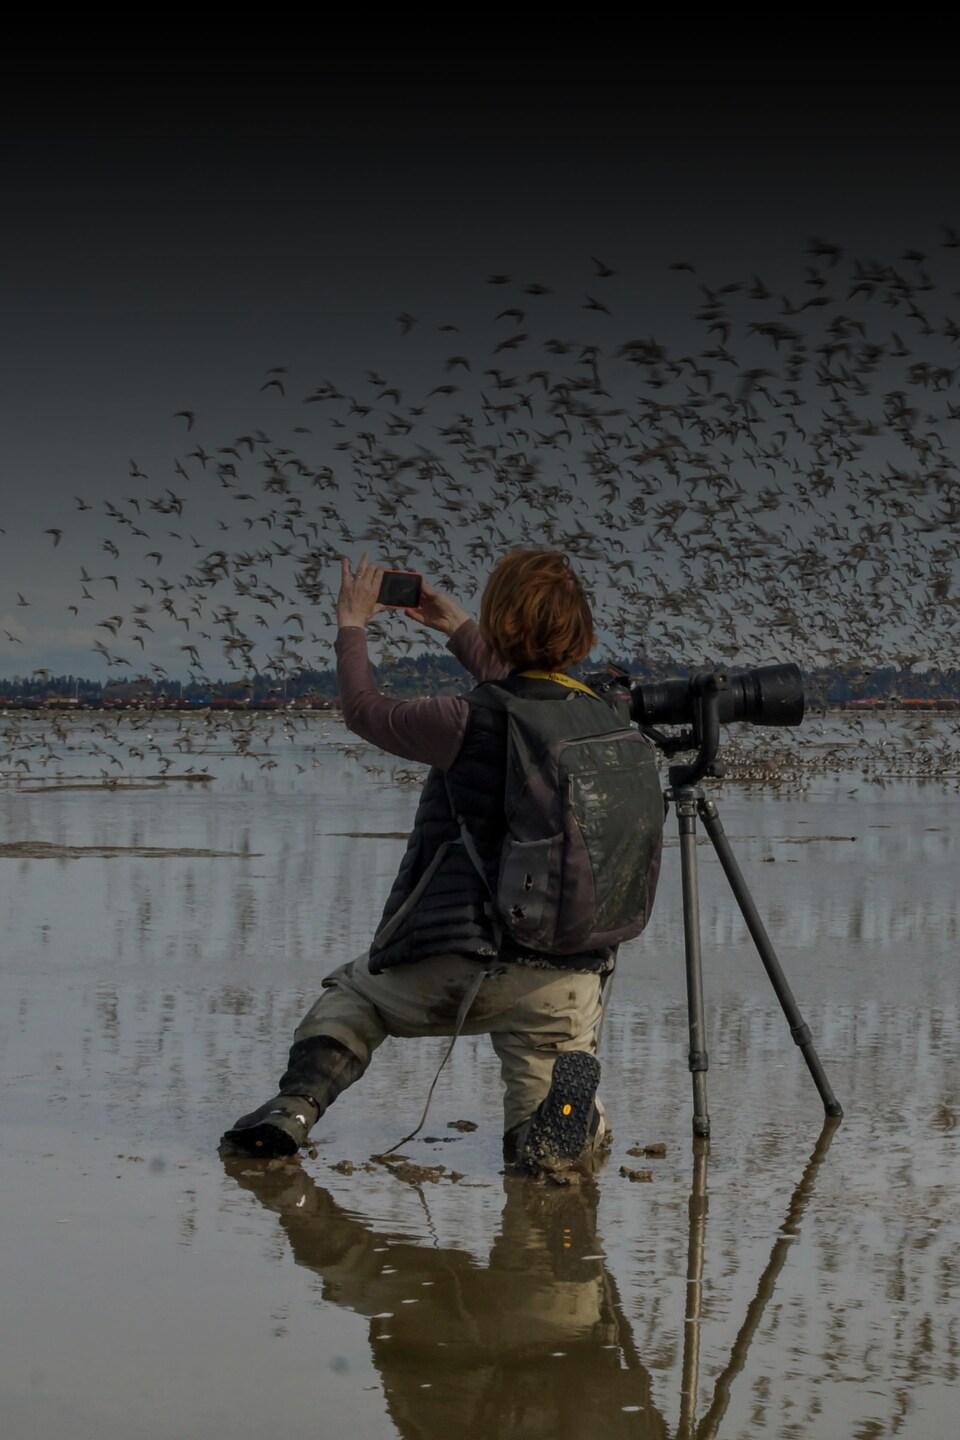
(159, 946)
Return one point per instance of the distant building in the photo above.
(127, 692)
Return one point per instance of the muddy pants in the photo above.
(530, 1015)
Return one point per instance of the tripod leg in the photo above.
(687, 817)
(798, 1028)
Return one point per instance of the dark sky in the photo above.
(168, 238)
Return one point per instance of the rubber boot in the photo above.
(565, 1123)
(318, 1070)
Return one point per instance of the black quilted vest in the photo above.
(452, 915)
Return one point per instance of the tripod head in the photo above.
(703, 735)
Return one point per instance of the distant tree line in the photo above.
(431, 674)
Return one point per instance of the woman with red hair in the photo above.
(440, 964)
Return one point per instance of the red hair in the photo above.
(534, 611)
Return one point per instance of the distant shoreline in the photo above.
(58, 705)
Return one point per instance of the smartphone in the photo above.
(400, 587)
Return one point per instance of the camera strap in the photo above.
(470, 994)
(469, 844)
(559, 678)
(466, 1004)
(385, 931)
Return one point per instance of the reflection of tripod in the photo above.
(690, 801)
(708, 1426)
(711, 1421)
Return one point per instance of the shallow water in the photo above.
(160, 945)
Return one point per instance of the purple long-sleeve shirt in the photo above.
(429, 731)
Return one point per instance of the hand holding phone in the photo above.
(357, 602)
(437, 611)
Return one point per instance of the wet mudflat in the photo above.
(160, 942)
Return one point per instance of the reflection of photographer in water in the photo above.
(534, 1342)
(534, 852)
(531, 1342)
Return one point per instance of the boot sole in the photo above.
(560, 1128)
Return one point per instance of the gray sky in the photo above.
(165, 246)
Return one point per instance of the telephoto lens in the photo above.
(770, 695)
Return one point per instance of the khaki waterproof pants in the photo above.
(530, 1014)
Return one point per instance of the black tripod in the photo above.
(690, 802)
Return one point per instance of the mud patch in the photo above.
(413, 1174)
(673, 842)
(59, 787)
(142, 782)
(45, 850)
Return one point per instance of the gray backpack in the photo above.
(584, 813)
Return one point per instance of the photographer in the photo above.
(445, 959)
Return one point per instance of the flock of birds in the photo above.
(777, 482)
(49, 750)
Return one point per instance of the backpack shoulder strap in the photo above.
(473, 854)
(488, 695)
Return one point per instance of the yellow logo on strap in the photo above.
(558, 677)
